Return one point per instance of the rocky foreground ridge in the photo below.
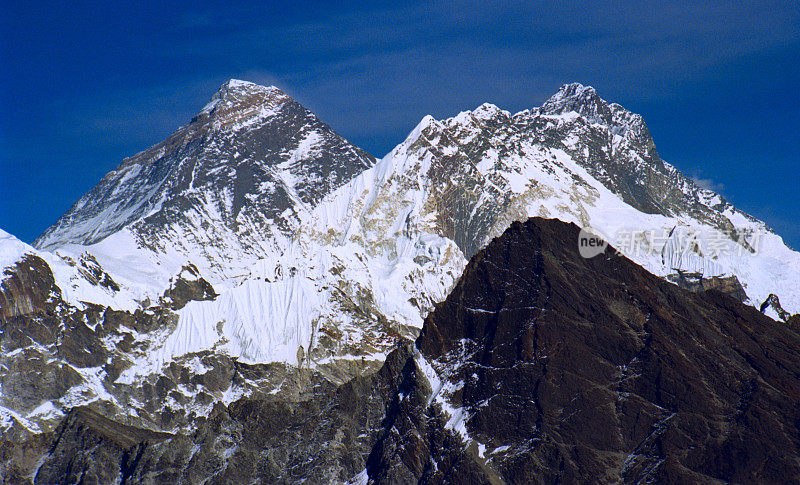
(540, 366)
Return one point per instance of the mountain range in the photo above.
(257, 271)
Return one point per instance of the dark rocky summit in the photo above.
(572, 369)
(540, 367)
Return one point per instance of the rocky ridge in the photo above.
(552, 367)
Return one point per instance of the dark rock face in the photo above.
(794, 322)
(696, 282)
(27, 287)
(108, 450)
(188, 286)
(33, 327)
(568, 369)
(322, 438)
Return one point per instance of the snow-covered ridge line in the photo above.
(67, 271)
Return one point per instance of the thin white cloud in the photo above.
(708, 184)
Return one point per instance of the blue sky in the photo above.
(86, 84)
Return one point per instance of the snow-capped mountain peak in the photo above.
(241, 101)
(584, 101)
(577, 158)
(488, 111)
(576, 97)
(236, 184)
(228, 187)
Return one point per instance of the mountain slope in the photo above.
(577, 158)
(540, 366)
(364, 265)
(80, 279)
(222, 191)
(552, 367)
(231, 191)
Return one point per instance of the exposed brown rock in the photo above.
(774, 302)
(729, 285)
(183, 290)
(27, 287)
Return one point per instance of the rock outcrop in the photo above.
(773, 304)
(696, 282)
(188, 286)
(26, 287)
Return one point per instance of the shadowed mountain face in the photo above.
(540, 366)
(564, 368)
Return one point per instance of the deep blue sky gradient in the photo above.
(84, 85)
